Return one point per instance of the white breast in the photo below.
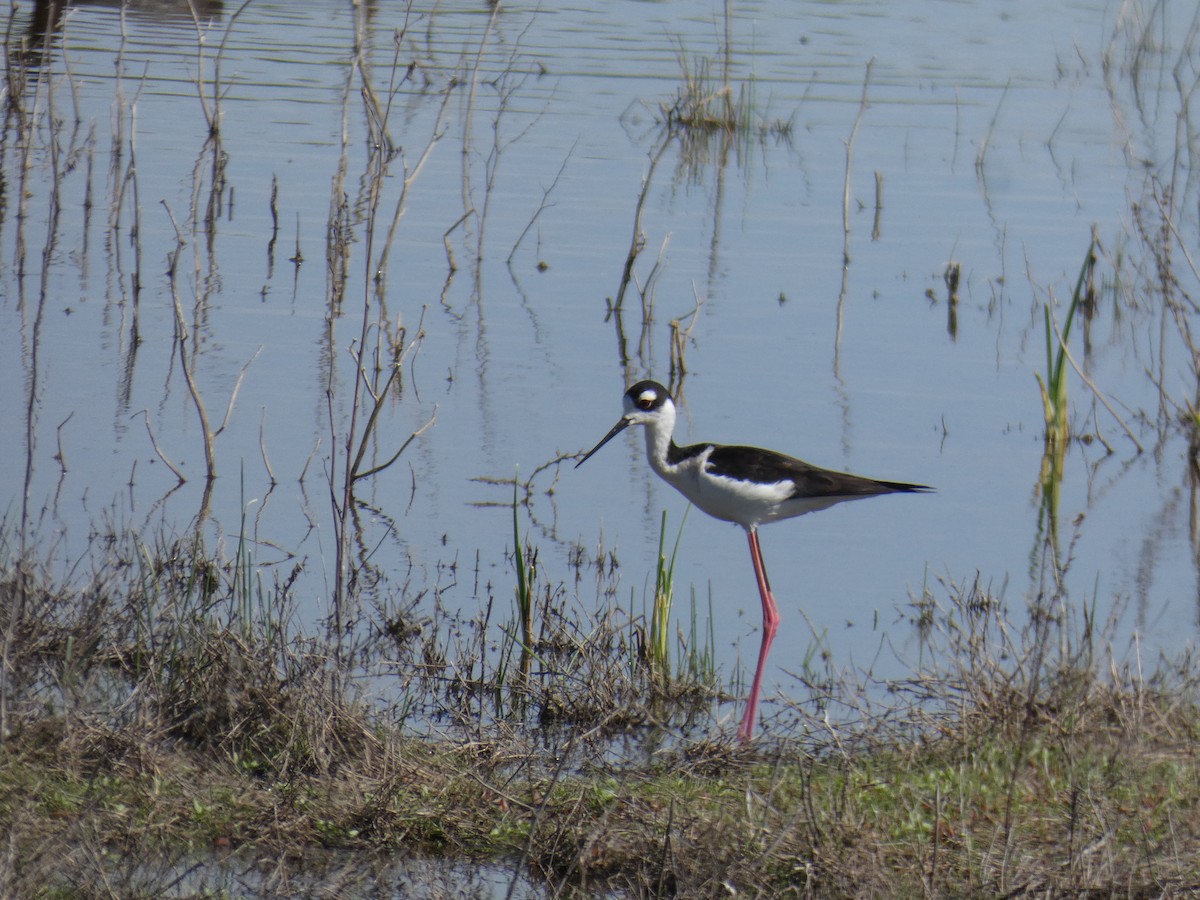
(744, 502)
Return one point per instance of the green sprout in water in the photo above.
(664, 592)
(1054, 399)
(524, 559)
(1054, 387)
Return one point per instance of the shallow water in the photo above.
(1002, 136)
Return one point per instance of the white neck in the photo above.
(658, 437)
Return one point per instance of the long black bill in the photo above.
(616, 429)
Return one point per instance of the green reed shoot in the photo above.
(523, 557)
(664, 593)
(525, 560)
(1054, 405)
(698, 657)
(241, 579)
(1054, 387)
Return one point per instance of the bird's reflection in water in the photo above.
(30, 42)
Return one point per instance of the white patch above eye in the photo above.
(647, 398)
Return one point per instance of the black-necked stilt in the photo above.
(745, 485)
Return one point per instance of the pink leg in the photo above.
(770, 626)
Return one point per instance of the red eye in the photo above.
(646, 402)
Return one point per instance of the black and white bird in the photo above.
(745, 485)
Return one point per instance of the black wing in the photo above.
(767, 466)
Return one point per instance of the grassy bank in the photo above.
(166, 735)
